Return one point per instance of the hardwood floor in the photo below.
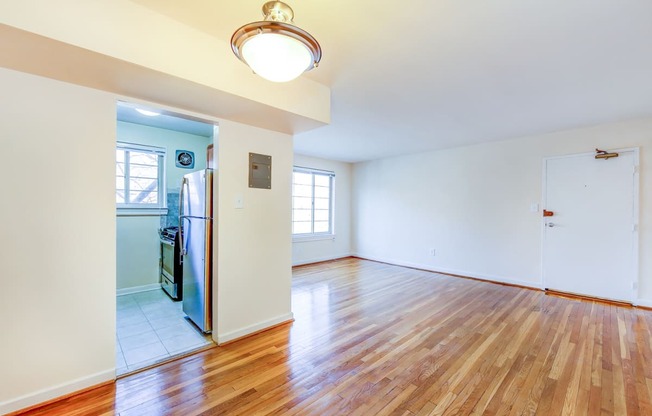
(376, 339)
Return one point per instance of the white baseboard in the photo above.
(230, 336)
(643, 302)
(54, 392)
(464, 273)
(138, 289)
(319, 259)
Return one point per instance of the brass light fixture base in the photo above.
(277, 11)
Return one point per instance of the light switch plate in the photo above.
(239, 202)
(534, 207)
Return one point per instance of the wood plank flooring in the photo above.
(375, 339)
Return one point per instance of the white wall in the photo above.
(58, 239)
(310, 251)
(472, 204)
(138, 246)
(253, 252)
(59, 244)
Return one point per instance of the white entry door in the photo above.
(590, 243)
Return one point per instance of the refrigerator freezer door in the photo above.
(197, 201)
(194, 203)
(197, 272)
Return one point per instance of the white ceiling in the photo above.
(424, 74)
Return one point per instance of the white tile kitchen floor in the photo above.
(151, 328)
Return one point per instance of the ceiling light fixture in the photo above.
(148, 112)
(275, 48)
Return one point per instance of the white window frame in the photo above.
(330, 234)
(125, 209)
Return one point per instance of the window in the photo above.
(139, 177)
(312, 202)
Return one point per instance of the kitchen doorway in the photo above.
(155, 150)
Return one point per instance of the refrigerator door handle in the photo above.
(182, 248)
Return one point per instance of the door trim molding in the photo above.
(634, 294)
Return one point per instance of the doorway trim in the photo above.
(635, 215)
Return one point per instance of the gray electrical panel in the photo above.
(260, 171)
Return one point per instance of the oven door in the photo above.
(168, 282)
(167, 258)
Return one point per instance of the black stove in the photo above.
(169, 233)
(171, 263)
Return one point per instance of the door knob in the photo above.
(550, 224)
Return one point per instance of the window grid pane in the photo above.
(321, 192)
(322, 180)
(302, 190)
(141, 171)
(322, 215)
(148, 159)
(302, 178)
(139, 177)
(321, 226)
(301, 228)
(321, 203)
(137, 197)
(311, 203)
(301, 203)
(300, 215)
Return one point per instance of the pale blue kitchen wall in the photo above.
(172, 141)
(137, 236)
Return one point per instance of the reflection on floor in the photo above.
(152, 328)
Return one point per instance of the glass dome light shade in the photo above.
(276, 57)
(276, 49)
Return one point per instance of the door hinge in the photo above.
(635, 285)
(634, 227)
(635, 169)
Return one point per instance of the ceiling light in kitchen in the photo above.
(148, 112)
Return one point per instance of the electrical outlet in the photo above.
(432, 252)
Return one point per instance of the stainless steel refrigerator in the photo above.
(196, 228)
